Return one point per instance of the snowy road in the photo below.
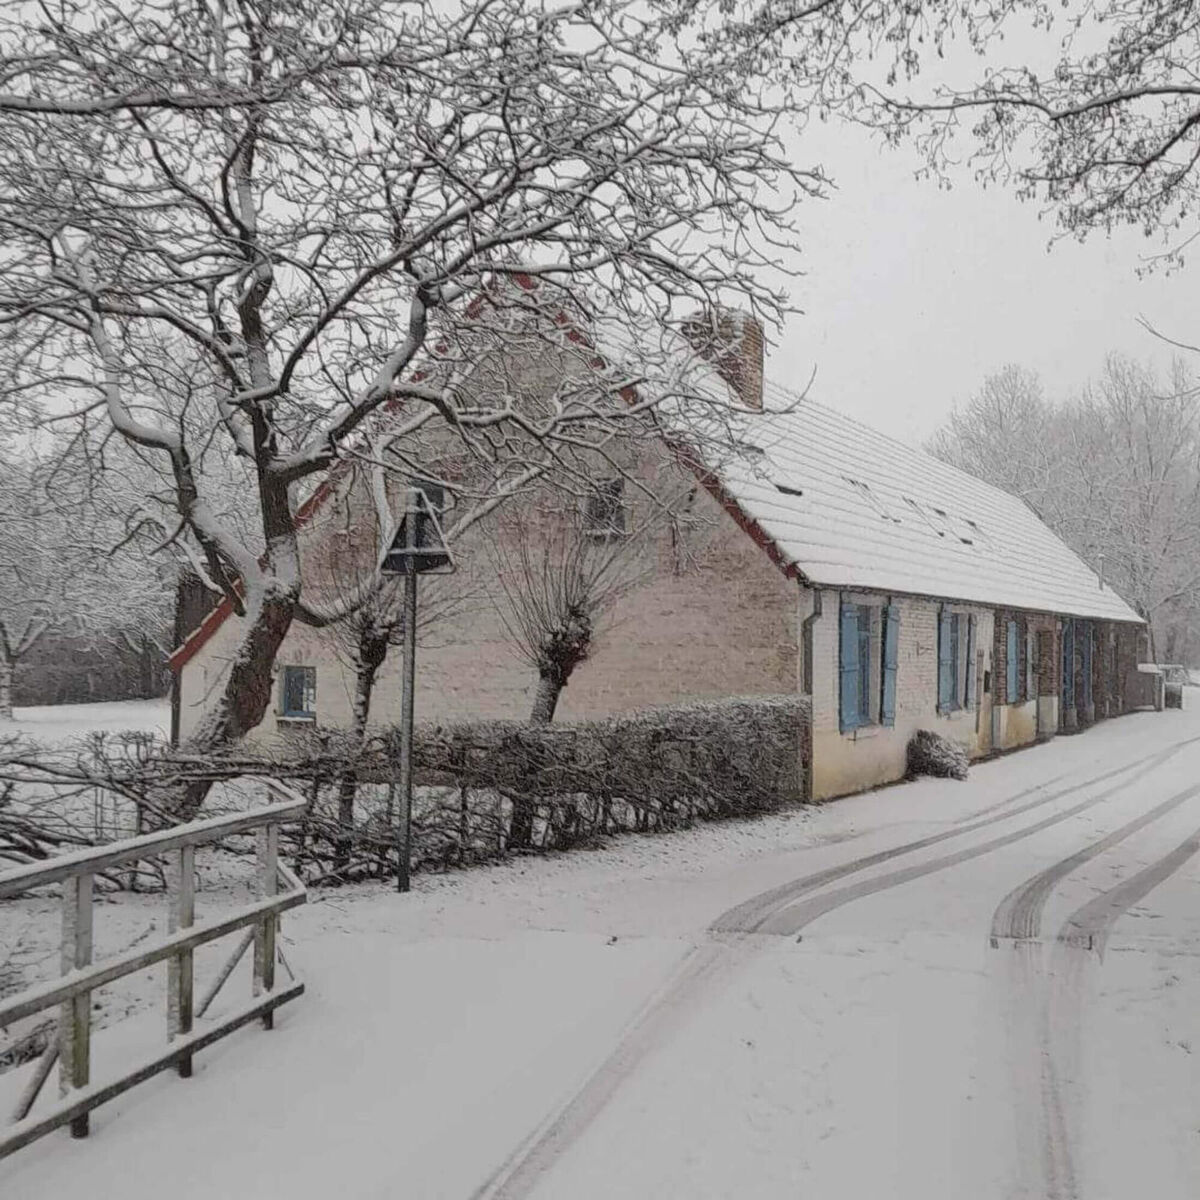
(939, 990)
(1012, 1048)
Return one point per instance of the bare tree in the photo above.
(36, 573)
(65, 568)
(1092, 108)
(325, 222)
(1115, 472)
(559, 570)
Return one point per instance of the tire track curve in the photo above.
(727, 947)
(750, 916)
(1019, 914)
(1041, 1092)
(1089, 926)
(792, 918)
(702, 966)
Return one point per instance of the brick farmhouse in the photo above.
(895, 591)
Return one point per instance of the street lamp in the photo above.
(418, 547)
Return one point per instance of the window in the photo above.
(1068, 664)
(604, 512)
(925, 515)
(1031, 690)
(948, 661)
(868, 653)
(956, 661)
(891, 659)
(969, 689)
(1012, 690)
(869, 496)
(299, 692)
(1084, 636)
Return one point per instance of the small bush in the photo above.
(931, 754)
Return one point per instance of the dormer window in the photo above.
(864, 490)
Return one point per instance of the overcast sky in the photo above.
(914, 294)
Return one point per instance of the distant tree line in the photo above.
(1114, 470)
(63, 669)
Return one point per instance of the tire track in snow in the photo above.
(1061, 1000)
(791, 919)
(1088, 926)
(1043, 1157)
(751, 915)
(701, 966)
(1019, 914)
(991, 808)
(1055, 1002)
(727, 948)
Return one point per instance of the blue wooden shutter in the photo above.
(865, 700)
(1012, 664)
(1085, 662)
(945, 663)
(891, 657)
(1068, 664)
(955, 659)
(969, 691)
(848, 668)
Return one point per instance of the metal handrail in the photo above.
(71, 993)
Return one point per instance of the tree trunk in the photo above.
(6, 688)
(246, 698)
(545, 700)
(147, 664)
(371, 652)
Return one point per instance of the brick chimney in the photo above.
(733, 342)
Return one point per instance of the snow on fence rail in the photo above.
(80, 976)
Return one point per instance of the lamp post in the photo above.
(418, 547)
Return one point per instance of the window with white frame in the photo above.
(298, 693)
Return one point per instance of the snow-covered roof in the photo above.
(852, 508)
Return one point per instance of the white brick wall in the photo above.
(867, 757)
(726, 624)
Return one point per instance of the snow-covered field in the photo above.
(892, 996)
(58, 723)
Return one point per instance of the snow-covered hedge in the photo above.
(931, 754)
(486, 788)
(740, 755)
(650, 769)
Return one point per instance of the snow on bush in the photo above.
(931, 754)
(490, 787)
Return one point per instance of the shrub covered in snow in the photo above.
(737, 755)
(931, 754)
(488, 787)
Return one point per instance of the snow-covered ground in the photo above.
(58, 723)
(892, 996)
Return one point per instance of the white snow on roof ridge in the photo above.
(864, 510)
(794, 398)
(867, 511)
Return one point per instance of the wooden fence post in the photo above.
(181, 968)
(75, 1015)
(264, 938)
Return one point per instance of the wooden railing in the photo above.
(72, 992)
